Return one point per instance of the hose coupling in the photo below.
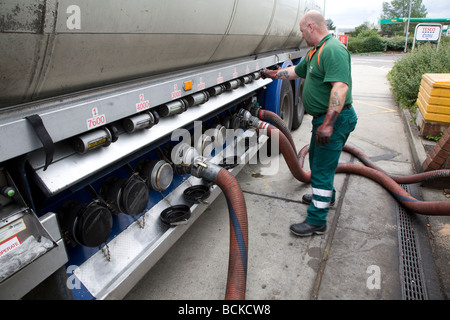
(187, 160)
(247, 120)
(201, 168)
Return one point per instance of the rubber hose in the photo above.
(437, 208)
(432, 208)
(279, 123)
(415, 178)
(238, 255)
(288, 153)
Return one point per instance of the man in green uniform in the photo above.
(327, 96)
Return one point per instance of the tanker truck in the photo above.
(94, 98)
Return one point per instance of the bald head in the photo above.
(317, 18)
(313, 27)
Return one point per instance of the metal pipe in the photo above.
(92, 140)
(172, 108)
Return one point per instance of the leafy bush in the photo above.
(406, 75)
(361, 44)
(356, 45)
(396, 43)
(368, 33)
(368, 41)
(373, 43)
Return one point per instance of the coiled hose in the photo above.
(295, 164)
(238, 255)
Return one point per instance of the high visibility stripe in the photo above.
(321, 204)
(322, 193)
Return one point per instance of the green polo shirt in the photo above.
(335, 66)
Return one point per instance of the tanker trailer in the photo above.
(94, 99)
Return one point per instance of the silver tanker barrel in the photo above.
(49, 47)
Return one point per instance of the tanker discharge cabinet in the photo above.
(95, 97)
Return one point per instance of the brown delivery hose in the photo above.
(238, 255)
(279, 123)
(295, 164)
(415, 178)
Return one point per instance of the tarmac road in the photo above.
(359, 258)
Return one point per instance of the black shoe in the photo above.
(306, 229)
(307, 198)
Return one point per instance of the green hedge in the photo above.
(365, 44)
(375, 43)
(406, 75)
(396, 43)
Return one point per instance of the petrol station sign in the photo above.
(428, 32)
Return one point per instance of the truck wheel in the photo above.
(286, 111)
(299, 109)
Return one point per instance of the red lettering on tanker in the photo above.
(96, 120)
(142, 104)
(176, 92)
(219, 78)
(9, 245)
(201, 85)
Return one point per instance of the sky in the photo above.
(352, 13)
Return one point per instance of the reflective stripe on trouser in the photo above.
(323, 161)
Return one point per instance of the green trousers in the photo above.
(323, 161)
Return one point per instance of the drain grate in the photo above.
(412, 278)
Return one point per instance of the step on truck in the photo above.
(95, 98)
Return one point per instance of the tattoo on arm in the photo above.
(282, 74)
(335, 102)
(338, 96)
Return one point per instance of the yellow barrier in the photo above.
(434, 104)
(434, 97)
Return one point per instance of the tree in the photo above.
(400, 9)
(364, 29)
(330, 24)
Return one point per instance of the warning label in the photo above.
(9, 245)
(12, 229)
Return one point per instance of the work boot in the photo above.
(307, 198)
(306, 229)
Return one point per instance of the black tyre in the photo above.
(286, 110)
(299, 109)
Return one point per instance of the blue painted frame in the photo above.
(273, 91)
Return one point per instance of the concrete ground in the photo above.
(359, 256)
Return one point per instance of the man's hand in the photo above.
(325, 131)
(284, 74)
(266, 73)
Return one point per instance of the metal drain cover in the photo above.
(412, 276)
